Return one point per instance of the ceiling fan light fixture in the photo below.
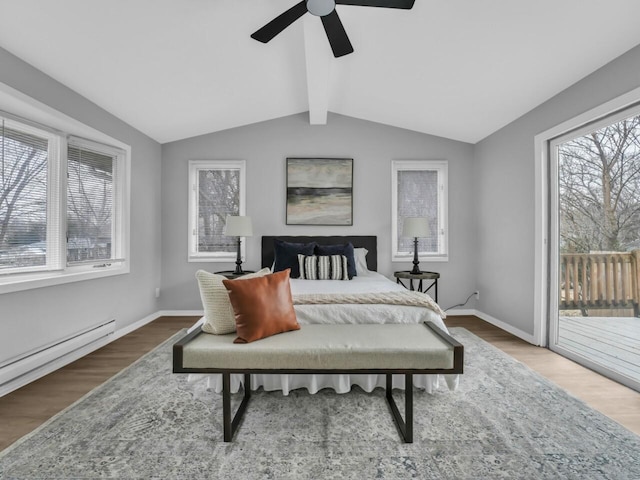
(321, 8)
(326, 10)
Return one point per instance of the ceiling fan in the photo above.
(326, 10)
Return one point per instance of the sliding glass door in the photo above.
(595, 251)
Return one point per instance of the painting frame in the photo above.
(319, 191)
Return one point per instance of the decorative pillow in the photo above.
(346, 250)
(219, 318)
(286, 255)
(360, 255)
(263, 306)
(323, 267)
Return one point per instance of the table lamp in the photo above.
(415, 227)
(238, 226)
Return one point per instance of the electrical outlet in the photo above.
(477, 293)
(157, 292)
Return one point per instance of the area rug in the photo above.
(504, 421)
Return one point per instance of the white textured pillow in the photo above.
(219, 317)
(360, 255)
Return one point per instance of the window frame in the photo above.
(441, 167)
(193, 255)
(54, 203)
(554, 144)
(118, 244)
(57, 271)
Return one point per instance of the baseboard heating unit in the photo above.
(28, 364)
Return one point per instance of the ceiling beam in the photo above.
(318, 59)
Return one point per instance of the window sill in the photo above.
(226, 259)
(29, 281)
(421, 258)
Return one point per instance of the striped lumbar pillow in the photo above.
(323, 267)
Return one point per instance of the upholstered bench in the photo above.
(405, 349)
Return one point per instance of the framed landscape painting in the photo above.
(319, 191)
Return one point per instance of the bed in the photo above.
(367, 282)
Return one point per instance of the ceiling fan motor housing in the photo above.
(321, 8)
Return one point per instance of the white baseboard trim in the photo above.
(461, 312)
(527, 337)
(134, 326)
(180, 313)
(66, 359)
(53, 365)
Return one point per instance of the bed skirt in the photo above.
(314, 383)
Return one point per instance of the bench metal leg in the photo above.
(231, 425)
(404, 426)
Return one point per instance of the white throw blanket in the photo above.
(408, 298)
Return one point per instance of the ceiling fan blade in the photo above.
(406, 4)
(336, 34)
(278, 24)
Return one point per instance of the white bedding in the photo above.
(343, 313)
(371, 283)
(358, 313)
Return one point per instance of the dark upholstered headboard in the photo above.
(367, 241)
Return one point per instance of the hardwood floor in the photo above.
(25, 409)
(611, 398)
(30, 406)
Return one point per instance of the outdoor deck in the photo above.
(611, 341)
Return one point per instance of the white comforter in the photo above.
(343, 313)
(360, 313)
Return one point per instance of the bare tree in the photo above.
(218, 196)
(89, 205)
(23, 186)
(600, 189)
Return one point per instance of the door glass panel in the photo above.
(599, 246)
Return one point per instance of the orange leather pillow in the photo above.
(263, 306)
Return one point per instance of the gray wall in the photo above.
(31, 318)
(504, 173)
(491, 204)
(265, 147)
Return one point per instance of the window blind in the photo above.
(218, 196)
(24, 163)
(418, 197)
(90, 204)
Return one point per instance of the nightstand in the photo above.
(407, 275)
(230, 274)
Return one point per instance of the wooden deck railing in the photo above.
(600, 280)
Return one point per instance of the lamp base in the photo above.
(416, 262)
(238, 270)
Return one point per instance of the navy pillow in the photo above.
(346, 250)
(286, 255)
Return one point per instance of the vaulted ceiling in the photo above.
(455, 68)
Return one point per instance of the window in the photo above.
(419, 189)
(217, 189)
(62, 202)
(26, 157)
(93, 203)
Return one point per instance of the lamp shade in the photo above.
(415, 227)
(238, 227)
